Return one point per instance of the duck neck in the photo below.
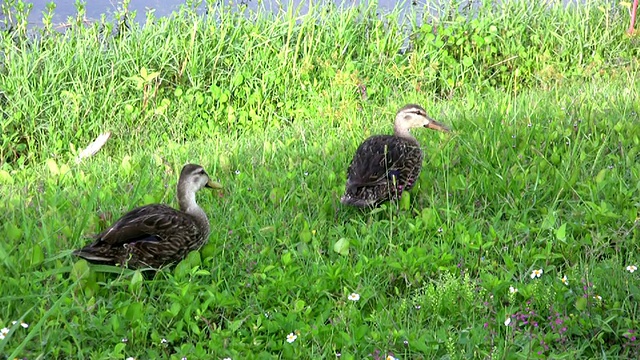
(404, 133)
(187, 201)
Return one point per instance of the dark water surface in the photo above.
(96, 8)
(66, 9)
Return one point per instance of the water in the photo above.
(95, 8)
(66, 9)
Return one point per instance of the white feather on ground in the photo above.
(94, 147)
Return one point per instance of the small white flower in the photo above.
(418, 307)
(1, 336)
(124, 340)
(389, 357)
(15, 321)
(237, 172)
(565, 280)
(4, 331)
(536, 273)
(291, 338)
(507, 321)
(632, 268)
(598, 297)
(163, 341)
(306, 173)
(354, 297)
(512, 290)
(226, 358)
(131, 358)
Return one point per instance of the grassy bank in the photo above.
(542, 172)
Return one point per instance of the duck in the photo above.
(156, 235)
(385, 166)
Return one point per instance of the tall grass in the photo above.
(541, 172)
(226, 72)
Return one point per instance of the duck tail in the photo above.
(93, 255)
(347, 199)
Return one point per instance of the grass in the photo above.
(541, 172)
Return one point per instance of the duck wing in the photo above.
(146, 223)
(382, 167)
(381, 158)
(151, 232)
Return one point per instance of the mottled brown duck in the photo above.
(156, 235)
(384, 166)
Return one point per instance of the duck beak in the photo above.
(434, 125)
(213, 185)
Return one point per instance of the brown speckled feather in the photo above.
(384, 166)
(148, 236)
(156, 235)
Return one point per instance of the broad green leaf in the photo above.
(342, 247)
(64, 168)
(136, 281)
(5, 177)
(37, 255)
(13, 232)
(53, 167)
(118, 349)
(235, 325)
(405, 201)
(126, 164)
(276, 195)
(208, 250)
(360, 332)
(152, 76)
(175, 308)
(134, 312)
(561, 232)
(299, 305)
(305, 236)
(80, 270)
(286, 259)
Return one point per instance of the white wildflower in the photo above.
(536, 273)
(291, 338)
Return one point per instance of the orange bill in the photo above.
(434, 125)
